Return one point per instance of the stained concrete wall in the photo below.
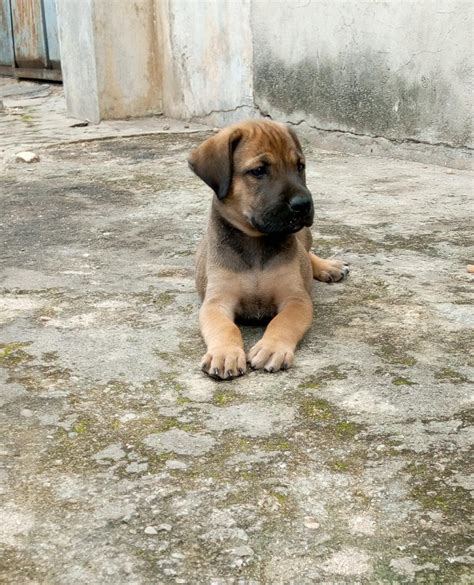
(398, 70)
(385, 77)
(78, 59)
(207, 51)
(127, 58)
(110, 58)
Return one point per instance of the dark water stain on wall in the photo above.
(361, 94)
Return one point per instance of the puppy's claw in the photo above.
(224, 364)
(330, 270)
(270, 356)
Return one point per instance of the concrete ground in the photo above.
(123, 463)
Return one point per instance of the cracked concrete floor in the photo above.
(122, 463)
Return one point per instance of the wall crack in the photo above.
(362, 135)
(392, 140)
(397, 141)
(230, 111)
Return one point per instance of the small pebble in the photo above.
(243, 551)
(150, 530)
(135, 467)
(127, 417)
(175, 464)
(177, 555)
(27, 157)
(311, 523)
(26, 412)
(165, 527)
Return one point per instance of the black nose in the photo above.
(300, 204)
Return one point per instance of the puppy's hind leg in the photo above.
(328, 270)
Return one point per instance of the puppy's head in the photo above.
(257, 172)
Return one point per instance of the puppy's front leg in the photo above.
(225, 357)
(276, 348)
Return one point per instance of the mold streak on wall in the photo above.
(389, 77)
(398, 70)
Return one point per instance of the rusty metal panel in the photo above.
(28, 32)
(6, 42)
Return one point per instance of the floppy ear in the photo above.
(292, 133)
(212, 161)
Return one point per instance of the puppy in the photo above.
(254, 261)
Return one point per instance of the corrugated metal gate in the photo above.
(29, 45)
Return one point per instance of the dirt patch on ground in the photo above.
(124, 464)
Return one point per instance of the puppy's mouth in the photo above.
(288, 225)
(296, 223)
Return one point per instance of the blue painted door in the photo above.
(29, 44)
(6, 41)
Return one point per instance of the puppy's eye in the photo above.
(301, 167)
(259, 172)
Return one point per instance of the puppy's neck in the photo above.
(239, 251)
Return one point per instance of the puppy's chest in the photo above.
(256, 295)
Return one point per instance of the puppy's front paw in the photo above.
(330, 270)
(270, 355)
(224, 363)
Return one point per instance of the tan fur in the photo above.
(279, 288)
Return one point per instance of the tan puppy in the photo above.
(254, 261)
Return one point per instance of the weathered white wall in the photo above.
(109, 58)
(78, 59)
(208, 58)
(127, 58)
(366, 75)
(400, 69)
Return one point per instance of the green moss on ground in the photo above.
(13, 354)
(450, 375)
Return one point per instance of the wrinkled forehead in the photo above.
(267, 144)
